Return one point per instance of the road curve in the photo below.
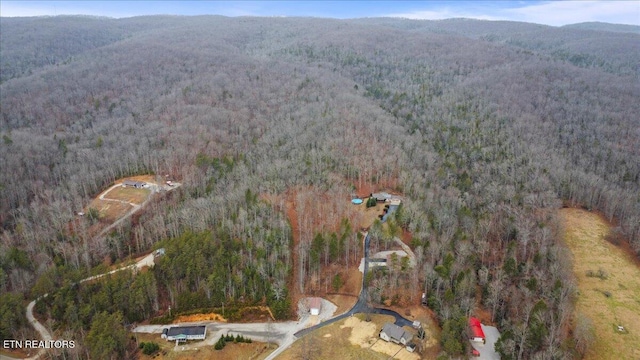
(44, 332)
(146, 261)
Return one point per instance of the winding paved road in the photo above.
(361, 305)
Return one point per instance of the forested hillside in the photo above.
(485, 128)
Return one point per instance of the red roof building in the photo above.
(477, 334)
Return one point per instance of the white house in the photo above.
(133, 183)
(184, 333)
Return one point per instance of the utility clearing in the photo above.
(609, 286)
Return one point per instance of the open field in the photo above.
(335, 341)
(585, 235)
(243, 351)
(128, 194)
(368, 215)
(352, 338)
(342, 302)
(109, 211)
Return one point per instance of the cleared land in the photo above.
(369, 215)
(128, 194)
(585, 235)
(116, 201)
(109, 211)
(352, 338)
(168, 350)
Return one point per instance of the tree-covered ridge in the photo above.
(485, 135)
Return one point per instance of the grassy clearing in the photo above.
(128, 194)
(333, 342)
(109, 211)
(352, 338)
(609, 286)
(369, 215)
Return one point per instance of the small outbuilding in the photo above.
(381, 196)
(394, 333)
(315, 305)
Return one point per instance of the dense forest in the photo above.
(485, 128)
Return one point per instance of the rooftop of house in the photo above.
(186, 330)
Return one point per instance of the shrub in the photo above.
(149, 348)
(615, 236)
(220, 343)
(337, 282)
(603, 275)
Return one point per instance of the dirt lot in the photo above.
(253, 351)
(352, 338)
(584, 235)
(199, 317)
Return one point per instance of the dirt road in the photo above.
(44, 332)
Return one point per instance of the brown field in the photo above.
(247, 314)
(145, 178)
(352, 338)
(128, 194)
(110, 211)
(584, 235)
(343, 302)
(253, 351)
(368, 215)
